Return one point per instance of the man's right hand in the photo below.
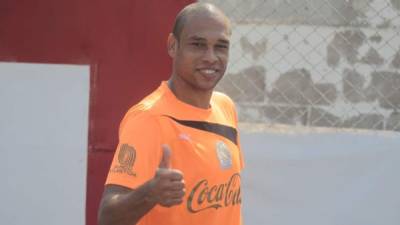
(167, 186)
(121, 205)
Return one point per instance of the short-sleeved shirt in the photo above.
(204, 145)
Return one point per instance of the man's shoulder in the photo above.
(146, 110)
(148, 105)
(222, 98)
(139, 117)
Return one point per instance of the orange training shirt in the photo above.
(204, 145)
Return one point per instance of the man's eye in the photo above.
(197, 44)
(222, 46)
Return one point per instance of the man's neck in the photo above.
(185, 93)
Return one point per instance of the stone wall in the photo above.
(315, 63)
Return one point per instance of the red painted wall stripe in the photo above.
(123, 41)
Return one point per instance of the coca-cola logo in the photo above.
(204, 196)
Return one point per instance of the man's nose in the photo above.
(210, 56)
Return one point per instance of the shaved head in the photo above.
(204, 9)
(199, 47)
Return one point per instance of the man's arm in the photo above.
(124, 206)
(121, 205)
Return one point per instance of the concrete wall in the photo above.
(315, 63)
(363, 13)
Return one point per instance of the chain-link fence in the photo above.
(329, 63)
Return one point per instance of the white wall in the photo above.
(314, 178)
(43, 143)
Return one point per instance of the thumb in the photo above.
(166, 157)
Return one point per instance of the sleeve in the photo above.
(138, 152)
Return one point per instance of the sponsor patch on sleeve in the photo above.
(126, 160)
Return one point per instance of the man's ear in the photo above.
(172, 45)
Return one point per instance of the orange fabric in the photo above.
(210, 162)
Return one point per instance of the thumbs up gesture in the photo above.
(166, 158)
(168, 186)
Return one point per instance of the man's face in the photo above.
(201, 54)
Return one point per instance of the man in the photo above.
(178, 160)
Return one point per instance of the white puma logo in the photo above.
(184, 137)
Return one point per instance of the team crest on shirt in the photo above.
(224, 155)
(126, 159)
